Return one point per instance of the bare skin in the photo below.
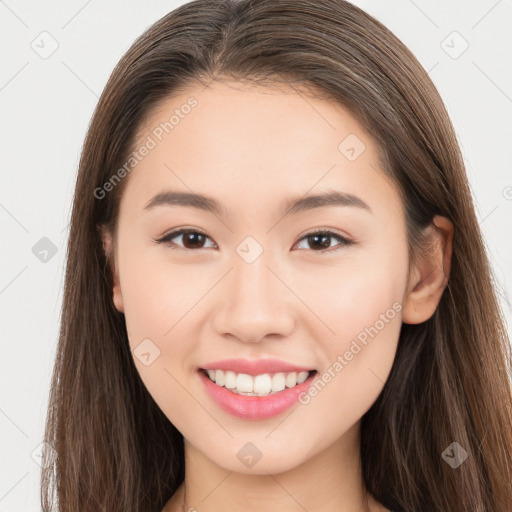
(253, 150)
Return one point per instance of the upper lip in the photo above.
(255, 367)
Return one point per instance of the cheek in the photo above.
(364, 302)
(156, 292)
(351, 295)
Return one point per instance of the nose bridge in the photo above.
(254, 282)
(254, 301)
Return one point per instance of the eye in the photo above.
(321, 239)
(192, 239)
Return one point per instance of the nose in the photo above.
(254, 301)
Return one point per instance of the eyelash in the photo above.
(345, 242)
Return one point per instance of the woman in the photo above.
(217, 350)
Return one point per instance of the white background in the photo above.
(46, 105)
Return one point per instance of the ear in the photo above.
(108, 247)
(430, 274)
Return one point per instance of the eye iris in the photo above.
(194, 237)
(324, 240)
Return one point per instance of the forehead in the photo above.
(250, 113)
(233, 140)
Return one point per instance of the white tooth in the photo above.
(244, 383)
(291, 379)
(278, 382)
(230, 380)
(220, 377)
(262, 384)
(301, 377)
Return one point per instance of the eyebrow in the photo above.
(294, 206)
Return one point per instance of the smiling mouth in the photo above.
(262, 385)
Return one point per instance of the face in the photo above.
(318, 287)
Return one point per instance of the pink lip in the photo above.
(256, 367)
(254, 407)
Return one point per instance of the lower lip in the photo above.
(254, 407)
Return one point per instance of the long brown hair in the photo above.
(450, 382)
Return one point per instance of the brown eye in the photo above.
(320, 241)
(191, 239)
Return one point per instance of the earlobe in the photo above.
(108, 248)
(430, 276)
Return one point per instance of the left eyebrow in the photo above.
(294, 206)
(331, 198)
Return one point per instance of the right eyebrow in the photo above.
(186, 199)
